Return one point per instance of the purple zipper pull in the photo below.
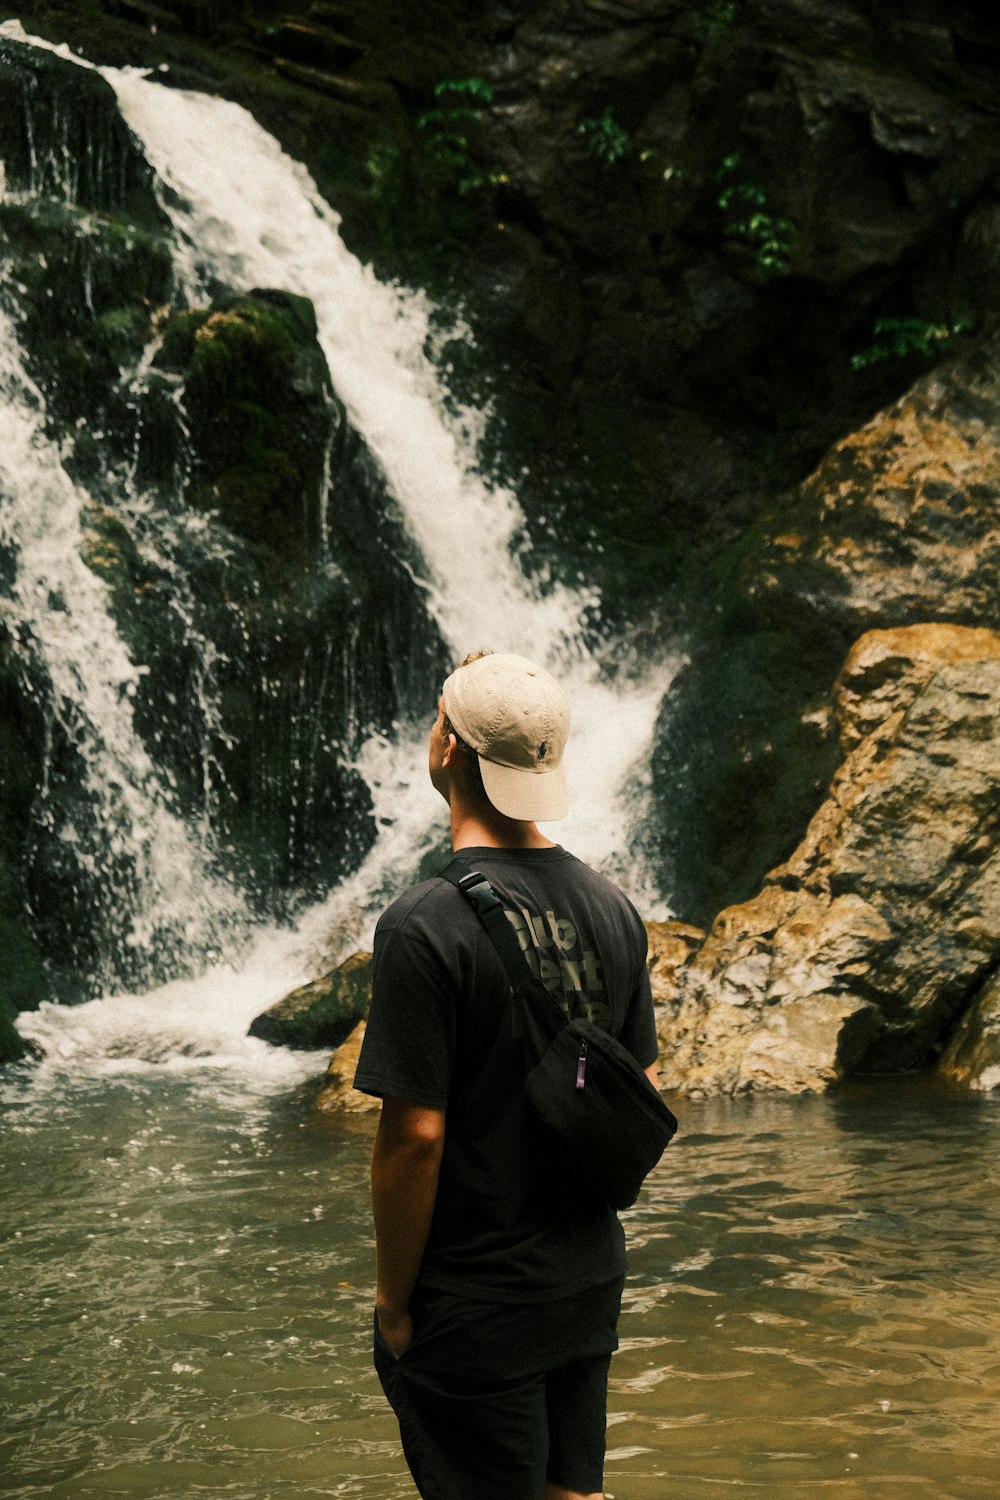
(581, 1065)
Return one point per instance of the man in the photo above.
(498, 1280)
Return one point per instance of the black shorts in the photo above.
(493, 1399)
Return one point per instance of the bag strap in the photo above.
(493, 914)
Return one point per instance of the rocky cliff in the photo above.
(898, 524)
(728, 231)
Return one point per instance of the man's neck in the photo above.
(486, 828)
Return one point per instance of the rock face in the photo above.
(322, 1013)
(864, 950)
(338, 1094)
(973, 1055)
(898, 523)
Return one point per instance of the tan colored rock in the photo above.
(887, 668)
(671, 947)
(973, 1056)
(899, 520)
(338, 1093)
(869, 940)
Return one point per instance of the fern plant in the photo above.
(749, 219)
(447, 125)
(895, 338)
(604, 137)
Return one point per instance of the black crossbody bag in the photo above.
(611, 1122)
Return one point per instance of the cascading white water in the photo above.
(271, 227)
(58, 615)
(246, 214)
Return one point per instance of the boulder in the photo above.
(973, 1054)
(63, 136)
(338, 1092)
(321, 1013)
(672, 945)
(861, 952)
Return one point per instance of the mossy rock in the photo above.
(259, 404)
(88, 289)
(322, 1013)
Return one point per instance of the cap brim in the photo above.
(528, 796)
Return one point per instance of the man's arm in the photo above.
(405, 1166)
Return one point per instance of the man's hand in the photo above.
(397, 1331)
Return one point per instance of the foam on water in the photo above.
(184, 1026)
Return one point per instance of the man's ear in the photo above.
(450, 750)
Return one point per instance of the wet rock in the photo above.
(23, 982)
(973, 1055)
(338, 1092)
(13, 1046)
(321, 1013)
(672, 945)
(63, 137)
(862, 950)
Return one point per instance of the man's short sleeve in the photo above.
(638, 1031)
(409, 1046)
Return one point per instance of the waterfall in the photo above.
(271, 227)
(57, 613)
(266, 225)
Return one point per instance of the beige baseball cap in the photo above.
(514, 715)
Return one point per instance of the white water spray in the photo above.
(58, 618)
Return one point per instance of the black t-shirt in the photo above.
(507, 1224)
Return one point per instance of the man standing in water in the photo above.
(498, 1281)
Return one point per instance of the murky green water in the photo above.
(187, 1272)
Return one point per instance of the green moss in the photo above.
(255, 393)
(320, 1014)
(89, 287)
(747, 742)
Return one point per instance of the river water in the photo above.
(188, 1271)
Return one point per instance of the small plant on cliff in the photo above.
(749, 219)
(604, 137)
(719, 16)
(447, 132)
(895, 338)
